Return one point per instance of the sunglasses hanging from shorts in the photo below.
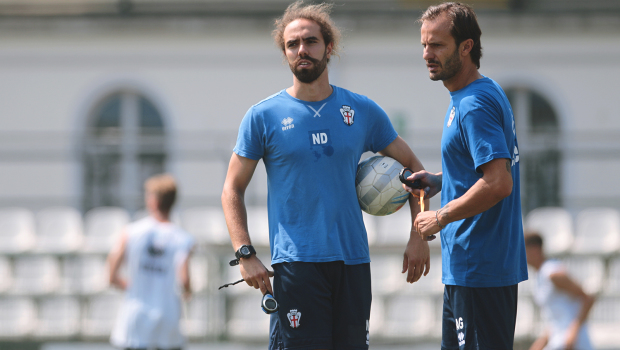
(268, 304)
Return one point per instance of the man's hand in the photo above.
(256, 274)
(417, 258)
(426, 224)
(431, 183)
(115, 259)
(541, 342)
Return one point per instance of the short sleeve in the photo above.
(484, 135)
(185, 247)
(550, 267)
(190, 242)
(380, 130)
(250, 140)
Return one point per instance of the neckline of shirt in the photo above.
(317, 103)
(481, 80)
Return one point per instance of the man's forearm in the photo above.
(475, 201)
(495, 185)
(540, 342)
(118, 282)
(401, 152)
(236, 216)
(586, 306)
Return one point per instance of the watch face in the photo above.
(245, 251)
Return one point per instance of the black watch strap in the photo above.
(245, 251)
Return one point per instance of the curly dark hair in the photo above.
(318, 13)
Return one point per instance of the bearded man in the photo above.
(482, 249)
(311, 137)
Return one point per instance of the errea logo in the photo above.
(287, 123)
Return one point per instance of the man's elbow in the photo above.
(231, 192)
(226, 194)
(589, 300)
(505, 190)
(110, 270)
(113, 281)
(224, 191)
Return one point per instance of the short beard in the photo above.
(449, 69)
(306, 75)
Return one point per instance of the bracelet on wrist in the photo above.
(437, 219)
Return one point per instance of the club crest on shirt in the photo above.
(452, 113)
(293, 318)
(347, 114)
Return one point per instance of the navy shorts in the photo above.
(479, 318)
(321, 306)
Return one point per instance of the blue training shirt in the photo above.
(311, 151)
(486, 250)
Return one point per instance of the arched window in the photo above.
(124, 144)
(539, 136)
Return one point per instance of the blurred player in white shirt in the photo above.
(564, 304)
(156, 253)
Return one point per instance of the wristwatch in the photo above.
(245, 251)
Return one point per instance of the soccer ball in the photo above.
(379, 190)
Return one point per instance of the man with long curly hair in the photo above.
(310, 137)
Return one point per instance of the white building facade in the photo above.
(175, 89)
(97, 95)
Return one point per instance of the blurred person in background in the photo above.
(156, 253)
(564, 304)
(482, 248)
(310, 137)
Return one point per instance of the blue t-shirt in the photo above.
(311, 151)
(486, 250)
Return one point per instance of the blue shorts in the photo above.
(321, 306)
(479, 318)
